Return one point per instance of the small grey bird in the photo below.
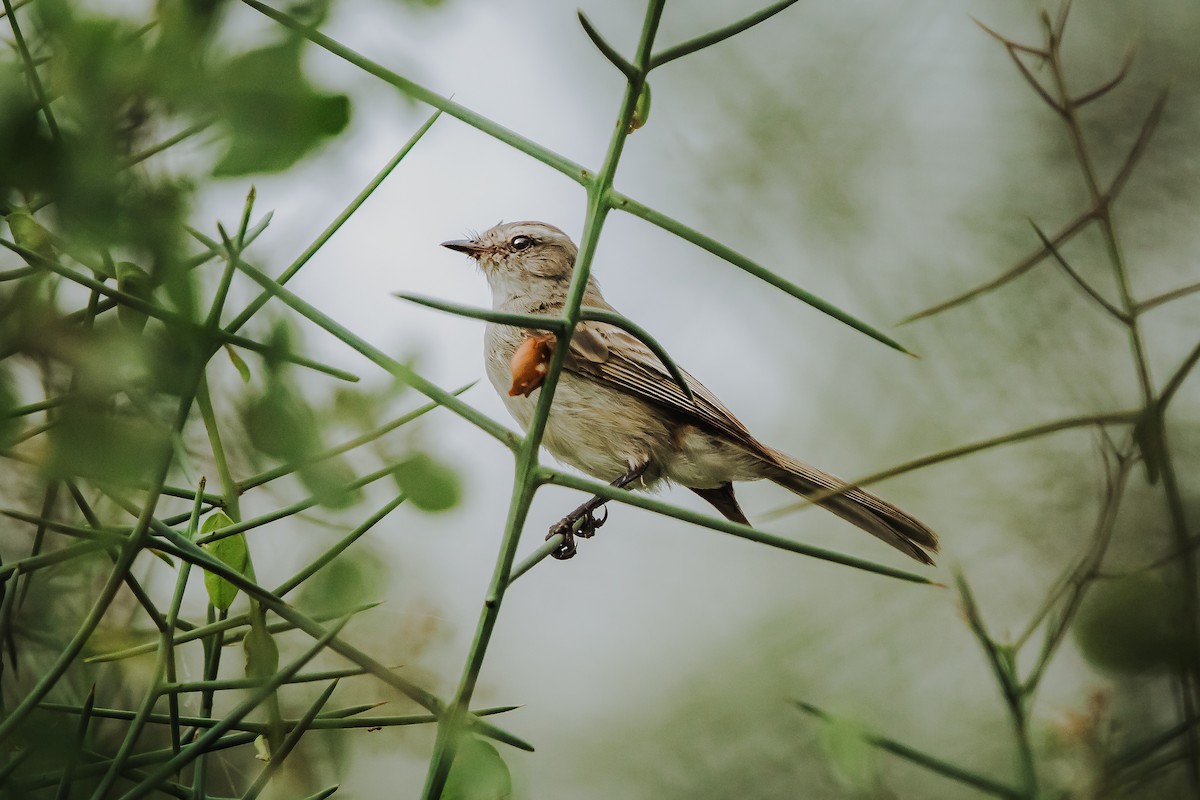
(619, 416)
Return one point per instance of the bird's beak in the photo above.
(473, 249)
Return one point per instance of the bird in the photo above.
(619, 415)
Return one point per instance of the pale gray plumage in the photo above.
(617, 407)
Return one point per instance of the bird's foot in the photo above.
(588, 523)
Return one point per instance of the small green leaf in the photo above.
(641, 111)
(30, 234)
(429, 484)
(479, 773)
(88, 440)
(231, 550)
(280, 424)
(328, 480)
(238, 363)
(354, 578)
(274, 115)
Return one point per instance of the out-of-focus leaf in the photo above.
(238, 363)
(30, 234)
(479, 773)
(87, 440)
(327, 479)
(850, 755)
(429, 484)
(273, 113)
(280, 423)
(231, 550)
(352, 579)
(108, 362)
(1135, 624)
(174, 358)
(184, 29)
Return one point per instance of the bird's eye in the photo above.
(521, 242)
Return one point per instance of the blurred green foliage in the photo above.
(429, 484)
(350, 580)
(479, 773)
(111, 307)
(264, 93)
(1136, 624)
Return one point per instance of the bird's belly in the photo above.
(701, 460)
(591, 427)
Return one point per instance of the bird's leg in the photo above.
(586, 518)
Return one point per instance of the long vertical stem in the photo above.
(525, 481)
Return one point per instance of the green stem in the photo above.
(35, 81)
(229, 487)
(719, 35)
(631, 206)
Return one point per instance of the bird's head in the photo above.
(520, 257)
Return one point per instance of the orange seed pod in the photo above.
(530, 363)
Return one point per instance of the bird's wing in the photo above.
(618, 359)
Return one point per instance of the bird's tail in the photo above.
(875, 516)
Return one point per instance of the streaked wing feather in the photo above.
(620, 360)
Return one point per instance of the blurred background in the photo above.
(884, 157)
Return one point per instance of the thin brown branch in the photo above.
(1078, 279)
(1139, 146)
(1022, 266)
(1167, 297)
(1177, 379)
(1004, 40)
(1109, 85)
(1116, 418)
(1060, 23)
(1032, 80)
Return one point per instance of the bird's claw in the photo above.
(567, 549)
(588, 524)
